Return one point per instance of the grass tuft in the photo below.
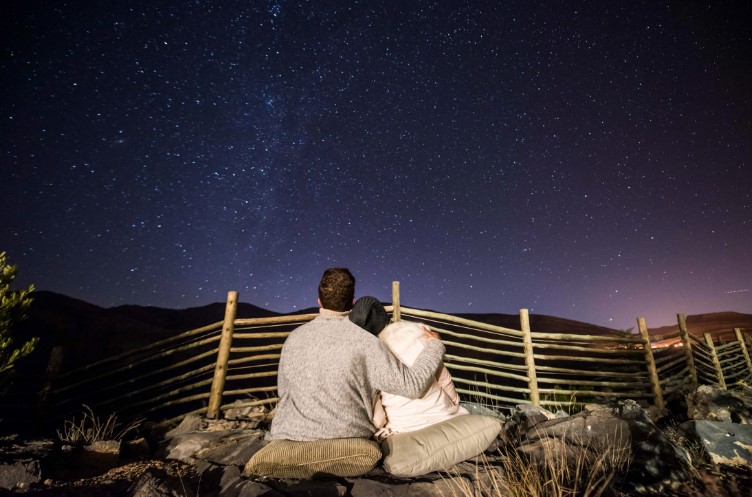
(557, 470)
(92, 429)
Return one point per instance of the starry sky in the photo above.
(587, 160)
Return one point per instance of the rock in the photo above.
(183, 446)
(231, 482)
(744, 391)
(90, 460)
(375, 484)
(248, 488)
(619, 432)
(595, 426)
(189, 424)
(209, 474)
(452, 485)
(155, 483)
(523, 418)
(234, 448)
(218, 441)
(655, 414)
(138, 448)
(374, 488)
(306, 488)
(534, 414)
(255, 414)
(726, 443)
(20, 474)
(541, 451)
(475, 408)
(712, 403)
(484, 475)
(104, 447)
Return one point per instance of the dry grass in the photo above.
(92, 429)
(697, 454)
(557, 470)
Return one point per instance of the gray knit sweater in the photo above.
(330, 371)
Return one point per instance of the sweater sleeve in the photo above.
(388, 374)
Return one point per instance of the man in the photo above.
(330, 371)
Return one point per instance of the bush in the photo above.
(13, 308)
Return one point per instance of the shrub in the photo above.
(13, 308)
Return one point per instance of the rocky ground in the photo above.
(205, 458)
(158, 477)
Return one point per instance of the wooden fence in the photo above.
(233, 363)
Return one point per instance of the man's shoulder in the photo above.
(341, 325)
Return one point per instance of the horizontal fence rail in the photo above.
(487, 362)
(233, 364)
(169, 376)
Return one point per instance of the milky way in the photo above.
(585, 160)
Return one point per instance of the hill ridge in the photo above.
(91, 332)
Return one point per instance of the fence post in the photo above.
(223, 356)
(716, 362)
(743, 345)
(527, 341)
(652, 370)
(395, 301)
(687, 346)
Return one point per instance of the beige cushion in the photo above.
(440, 446)
(337, 457)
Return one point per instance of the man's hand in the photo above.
(428, 334)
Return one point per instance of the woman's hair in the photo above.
(369, 314)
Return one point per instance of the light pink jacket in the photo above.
(397, 414)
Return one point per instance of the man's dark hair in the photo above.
(337, 289)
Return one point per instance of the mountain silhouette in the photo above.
(90, 333)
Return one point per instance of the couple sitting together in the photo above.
(340, 386)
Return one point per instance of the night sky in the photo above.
(588, 160)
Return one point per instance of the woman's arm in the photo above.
(446, 384)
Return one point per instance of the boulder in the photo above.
(135, 449)
(233, 449)
(253, 414)
(156, 483)
(522, 418)
(725, 443)
(19, 474)
(21, 461)
(248, 488)
(218, 441)
(610, 436)
(712, 403)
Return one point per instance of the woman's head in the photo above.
(406, 340)
(369, 314)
